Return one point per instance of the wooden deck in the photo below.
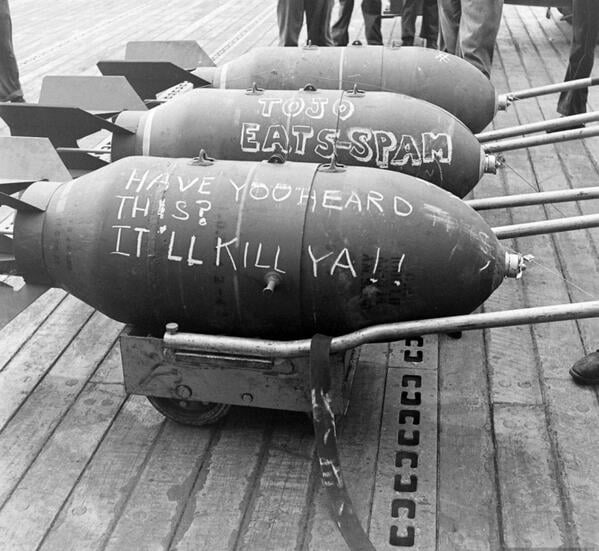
(507, 446)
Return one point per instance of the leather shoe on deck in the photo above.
(586, 370)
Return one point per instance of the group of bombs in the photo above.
(290, 191)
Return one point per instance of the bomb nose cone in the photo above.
(515, 264)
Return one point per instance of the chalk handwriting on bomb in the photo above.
(134, 210)
(366, 145)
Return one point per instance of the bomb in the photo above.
(437, 77)
(375, 129)
(275, 250)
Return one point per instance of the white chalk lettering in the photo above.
(219, 246)
(304, 195)
(376, 261)
(123, 199)
(348, 265)
(117, 247)
(343, 109)
(249, 141)
(315, 260)
(206, 182)
(267, 105)
(135, 209)
(374, 198)
(329, 196)
(316, 109)
(276, 265)
(162, 178)
(354, 199)
(360, 150)
(191, 261)
(326, 142)
(237, 189)
(258, 254)
(134, 178)
(407, 152)
(204, 206)
(286, 192)
(259, 191)
(161, 208)
(245, 254)
(183, 187)
(181, 206)
(293, 107)
(171, 245)
(140, 234)
(436, 147)
(401, 206)
(301, 134)
(276, 139)
(385, 143)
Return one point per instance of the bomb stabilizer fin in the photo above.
(187, 54)
(28, 159)
(148, 78)
(80, 162)
(100, 95)
(63, 126)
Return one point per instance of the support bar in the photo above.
(81, 150)
(543, 139)
(504, 100)
(547, 226)
(380, 333)
(538, 198)
(542, 126)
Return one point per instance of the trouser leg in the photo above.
(429, 29)
(290, 17)
(479, 25)
(318, 21)
(409, 13)
(10, 87)
(371, 11)
(339, 31)
(585, 25)
(450, 12)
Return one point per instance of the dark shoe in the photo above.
(586, 370)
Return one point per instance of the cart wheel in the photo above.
(189, 412)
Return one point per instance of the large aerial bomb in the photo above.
(437, 77)
(375, 129)
(269, 249)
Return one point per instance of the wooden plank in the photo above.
(28, 514)
(467, 513)
(358, 437)
(153, 510)
(14, 335)
(277, 511)
(85, 520)
(26, 368)
(27, 432)
(224, 483)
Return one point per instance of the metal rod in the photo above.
(381, 333)
(504, 100)
(538, 198)
(547, 226)
(81, 150)
(542, 139)
(542, 126)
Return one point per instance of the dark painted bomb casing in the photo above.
(375, 129)
(151, 240)
(437, 77)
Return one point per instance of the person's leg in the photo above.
(318, 21)
(450, 12)
(371, 11)
(339, 31)
(10, 87)
(479, 25)
(409, 12)
(290, 16)
(429, 30)
(585, 25)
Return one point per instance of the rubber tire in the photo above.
(188, 412)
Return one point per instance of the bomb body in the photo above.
(375, 129)
(150, 240)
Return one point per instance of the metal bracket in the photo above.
(202, 159)
(254, 90)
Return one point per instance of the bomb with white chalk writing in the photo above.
(148, 241)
